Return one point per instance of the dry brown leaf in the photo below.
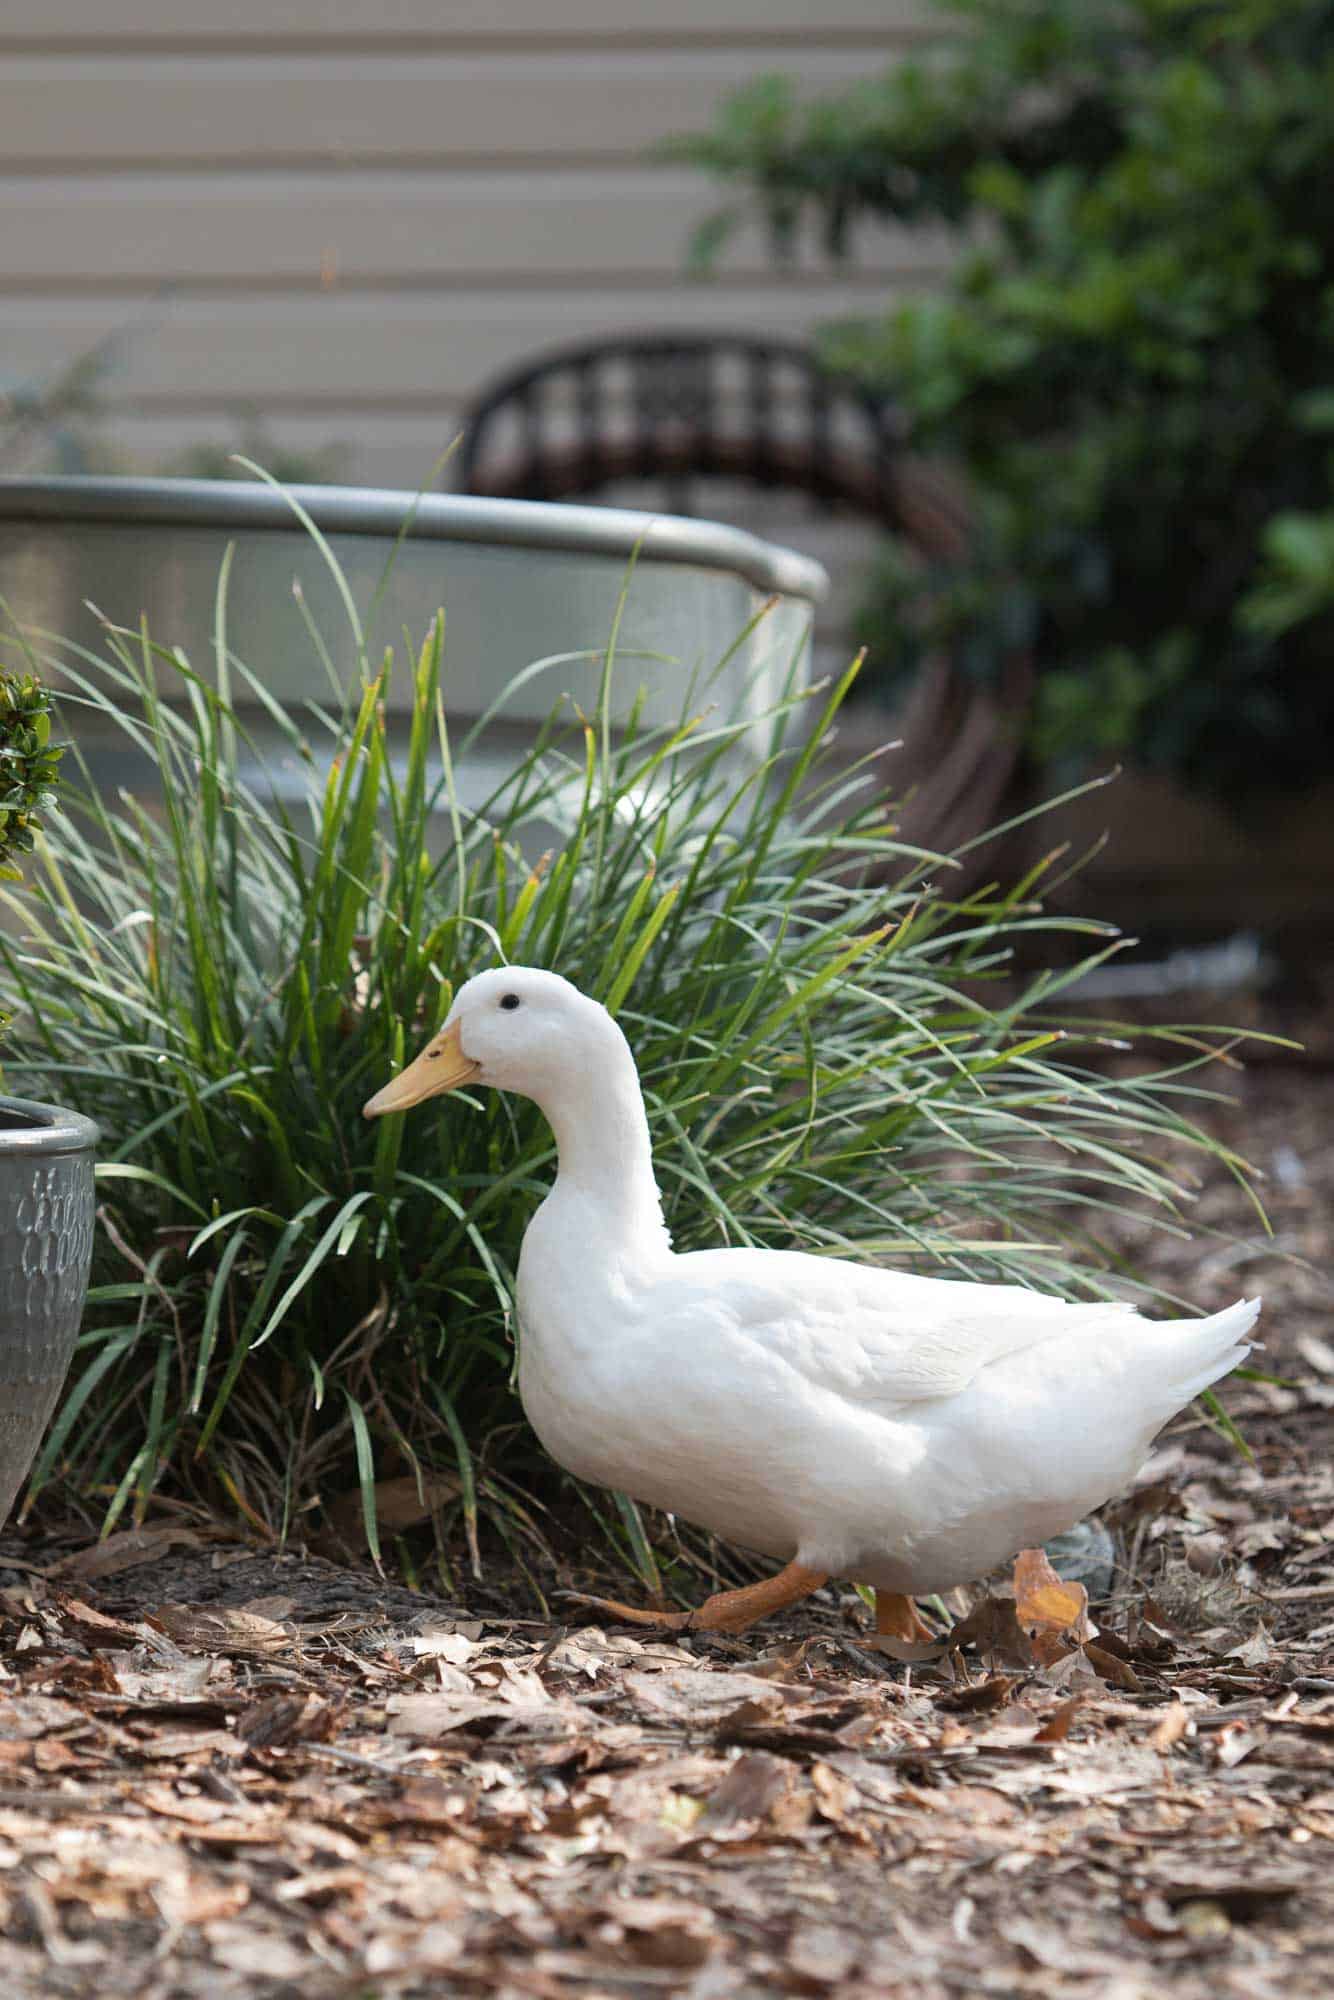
(662, 1931)
(1257, 1651)
(757, 1713)
(814, 1730)
(1172, 1728)
(1050, 1945)
(822, 1953)
(95, 1674)
(908, 1652)
(287, 1718)
(179, 1686)
(456, 1648)
(782, 1663)
(1057, 1727)
(426, 1801)
(754, 1786)
(1146, 1648)
(690, 1695)
(980, 1805)
(94, 1628)
(33, 1715)
(191, 1900)
(182, 1747)
(399, 1504)
(978, 1696)
(1072, 1671)
(426, 1716)
(425, 1950)
(1112, 1668)
(837, 1800)
(318, 1884)
(220, 1629)
(257, 1954)
(53, 1753)
(1052, 1614)
(278, 1606)
(992, 1627)
(191, 1807)
(126, 1550)
(1234, 1742)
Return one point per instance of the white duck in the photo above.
(899, 1431)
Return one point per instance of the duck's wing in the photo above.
(882, 1338)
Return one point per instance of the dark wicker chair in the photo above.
(676, 409)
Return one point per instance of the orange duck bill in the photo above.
(441, 1066)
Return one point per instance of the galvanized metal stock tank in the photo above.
(520, 581)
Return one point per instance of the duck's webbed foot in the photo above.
(897, 1617)
(726, 1611)
(630, 1614)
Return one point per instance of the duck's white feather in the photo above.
(903, 1431)
(907, 1432)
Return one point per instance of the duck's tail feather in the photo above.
(1204, 1350)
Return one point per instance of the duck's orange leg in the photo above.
(727, 1610)
(898, 1618)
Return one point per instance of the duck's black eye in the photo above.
(509, 1001)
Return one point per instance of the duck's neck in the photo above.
(605, 1159)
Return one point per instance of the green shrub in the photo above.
(288, 1298)
(28, 770)
(1132, 362)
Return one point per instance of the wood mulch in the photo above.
(225, 1771)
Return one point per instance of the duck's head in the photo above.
(514, 1028)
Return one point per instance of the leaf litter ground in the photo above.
(225, 1771)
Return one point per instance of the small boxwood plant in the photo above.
(28, 767)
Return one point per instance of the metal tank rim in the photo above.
(43, 1129)
(555, 526)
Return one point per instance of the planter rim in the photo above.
(53, 1130)
(443, 517)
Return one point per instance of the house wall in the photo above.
(342, 220)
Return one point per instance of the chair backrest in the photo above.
(676, 408)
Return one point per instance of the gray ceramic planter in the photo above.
(46, 1247)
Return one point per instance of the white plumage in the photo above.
(896, 1430)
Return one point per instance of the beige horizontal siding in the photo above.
(376, 350)
(264, 109)
(378, 447)
(349, 219)
(201, 22)
(124, 232)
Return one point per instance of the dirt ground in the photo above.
(231, 1772)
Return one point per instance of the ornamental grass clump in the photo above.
(291, 1304)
